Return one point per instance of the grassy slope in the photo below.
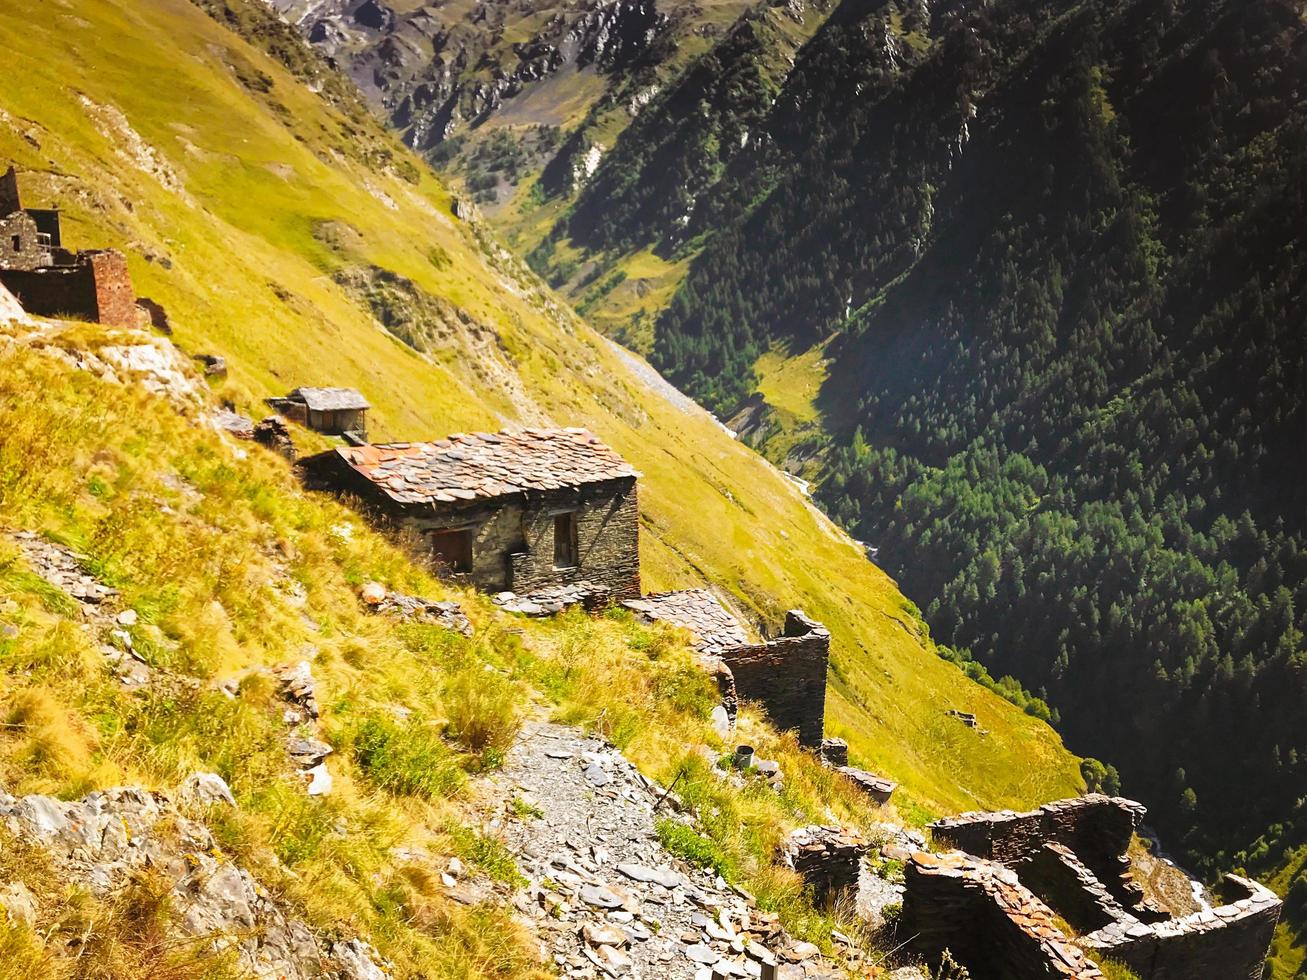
(233, 570)
(249, 279)
(627, 312)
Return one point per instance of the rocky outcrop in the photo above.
(411, 607)
(434, 69)
(101, 841)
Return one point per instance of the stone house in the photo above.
(508, 511)
(22, 246)
(331, 411)
(49, 280)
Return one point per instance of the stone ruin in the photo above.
(829, 859)
(835, 753)
(991, 923)
(786, 675)
(48, 279)
(995, 901)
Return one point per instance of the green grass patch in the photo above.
(408, 758)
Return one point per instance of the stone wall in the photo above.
(10, 199)
(96, 287)
(991, 923)
(1229, 942)
(115, 299)
(608, 539)
(1072, 855)
(1097, 828)
(828, 858)
(1070, 889)
(21, 247)
(787, 676)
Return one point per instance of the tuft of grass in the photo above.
(487, 853)
(77, 935)
(1115, 970)
(687, 843)
(523, 810)
(409, 758)
(484, 711)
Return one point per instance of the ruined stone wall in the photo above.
(115, 299)
(54, 292)
(97, 287)
(828, 858)
(608, 540)
(1229, 942)
(10, 200)
(787, 676)
(20, 244)
(989, 921)
(1097, 828)
(1074, 892)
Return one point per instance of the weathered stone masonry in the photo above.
(987, 919)
(49, 280)
(1071, 857)
(1096, 828)
(96, 286)
(787, 676)
(1227, 942)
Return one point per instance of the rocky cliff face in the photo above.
(434, 72)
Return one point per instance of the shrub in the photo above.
(483, 708)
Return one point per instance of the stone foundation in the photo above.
(835, 753)
(1097, 829)
(1229, 942)
(828, 858)
(96, 287)
(1070, 858)
(992, 924)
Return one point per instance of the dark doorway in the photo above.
(565, 549)
(452, 550)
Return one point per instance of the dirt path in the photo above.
(604, 895)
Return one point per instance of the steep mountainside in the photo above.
(1021, 285)
(297, 239)
(511, 97)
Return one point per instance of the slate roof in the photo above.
(483, 465)
(699, 611)
(329, 399)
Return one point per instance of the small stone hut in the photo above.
(331, 411)
(507, 511)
